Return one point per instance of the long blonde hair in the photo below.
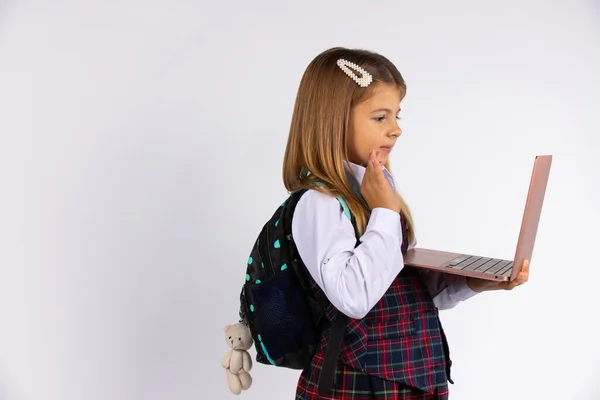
(319, 127)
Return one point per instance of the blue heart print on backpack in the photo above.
(276, 302)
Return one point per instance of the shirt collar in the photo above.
(359, 173)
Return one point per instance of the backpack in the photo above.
(284, 315)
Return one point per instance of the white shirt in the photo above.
(355, 279)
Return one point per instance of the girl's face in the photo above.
(374, 125)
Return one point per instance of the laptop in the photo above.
(489, 268)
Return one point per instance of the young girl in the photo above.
(343, 129)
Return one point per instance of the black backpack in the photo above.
(284, 315)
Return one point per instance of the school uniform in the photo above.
(394, 346)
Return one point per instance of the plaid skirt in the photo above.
(350, 384)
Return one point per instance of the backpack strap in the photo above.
(345, 207)
(348, 214)
(332, 353)
(321, 302)
(336, 338)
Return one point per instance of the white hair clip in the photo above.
(345, 66)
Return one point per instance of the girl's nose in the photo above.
(396, 132)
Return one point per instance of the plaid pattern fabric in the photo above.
(400, 342)
(355, 385)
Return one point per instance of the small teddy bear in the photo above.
(237, 362)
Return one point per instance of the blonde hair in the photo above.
(317, 141)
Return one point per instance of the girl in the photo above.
(343, 129)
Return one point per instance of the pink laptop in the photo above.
(492, 268)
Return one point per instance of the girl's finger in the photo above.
(522, 278)
(377, 164)
(369, 162)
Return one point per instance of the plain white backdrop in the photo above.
(140, 153)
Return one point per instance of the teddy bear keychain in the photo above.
(237, 362)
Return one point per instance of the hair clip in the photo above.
(363, 81)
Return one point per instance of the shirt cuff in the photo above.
(461, 291)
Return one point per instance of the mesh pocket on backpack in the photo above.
(283, 316)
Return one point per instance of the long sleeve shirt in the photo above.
(355, 278)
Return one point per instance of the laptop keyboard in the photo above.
(492, 266)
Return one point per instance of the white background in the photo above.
(140, 153)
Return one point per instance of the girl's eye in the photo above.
(379, 119)
(398, 117)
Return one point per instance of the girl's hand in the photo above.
(482, 285)
(375, 189)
